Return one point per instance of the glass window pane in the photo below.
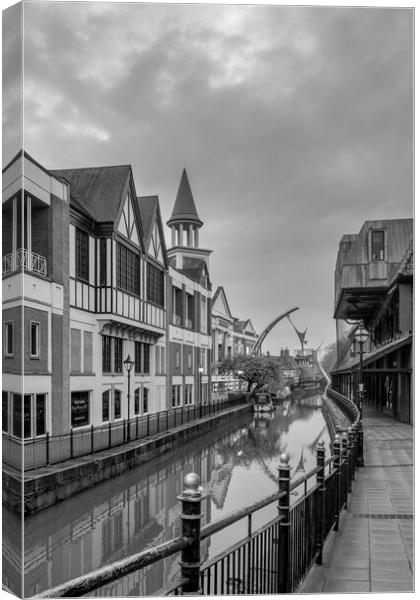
(79, 409)
(378, 245)
(105, 406)
(5, 411)
(117, 404)
(40, 414)
(17, 415)
(27, 416)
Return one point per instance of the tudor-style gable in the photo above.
(154, 239)
(127, 225)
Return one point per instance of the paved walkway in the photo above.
(373, 551)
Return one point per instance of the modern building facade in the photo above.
(87, 284)
(374, 284)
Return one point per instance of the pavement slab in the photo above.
(373, 550)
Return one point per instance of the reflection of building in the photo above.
(85, 258)
(289, 368)
(374, 283)
(231, 338)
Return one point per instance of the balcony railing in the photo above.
(23, 258)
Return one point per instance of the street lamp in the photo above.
(361, 335)
(128, 364)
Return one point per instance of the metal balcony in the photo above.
(23, 258)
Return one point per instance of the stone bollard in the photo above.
(320, 501)
(345, 465)
(337, 477)
(283, 579)
(191, 527)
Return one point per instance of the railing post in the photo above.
(360, 457)
(345, 466)
(320, 501)
(71, 442)
(283, 585)
(91, 439)
(109, 434)
(352, 441)
(336, 451)
(158, 422)
(137, 426)
(47, 447)
(148, 425)
(191, 527)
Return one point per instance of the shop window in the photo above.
(80, 409)
(142, 358)
(5, 411)
(117, 404)
(176, 395)
(105, 406)
(34, 339)
(9, 346)
(145, 401)
(137, 401)
(40, 414)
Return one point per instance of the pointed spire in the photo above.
(184, 210)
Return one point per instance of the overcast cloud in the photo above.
(294, 124)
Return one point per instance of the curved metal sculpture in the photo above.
(301, 334)
(257, 346)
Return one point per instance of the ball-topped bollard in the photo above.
(321, 443)
(284, 458)
(191, 484)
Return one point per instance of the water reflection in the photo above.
(139, 509)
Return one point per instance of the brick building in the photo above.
(87, 283)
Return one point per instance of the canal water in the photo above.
(237, 465)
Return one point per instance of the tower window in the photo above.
(378, 245)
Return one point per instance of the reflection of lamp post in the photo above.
(128, 364)
(240, 373)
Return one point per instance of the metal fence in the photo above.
(51, 449)
(272, 559)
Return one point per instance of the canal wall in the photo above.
(48, 485)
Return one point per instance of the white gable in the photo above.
(127, 225)
(220, 306)
(155, 244)
(249, 327)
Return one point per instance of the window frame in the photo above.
(155, 285)
(38, 330)
(119, 392)
(9, 325)
(106, 395)
(127, 267)
(372, 255)
(89, 404)
(81, 260)
(145, 401)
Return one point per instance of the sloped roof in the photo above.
(184, 208)
(97, 189)
(220, 291)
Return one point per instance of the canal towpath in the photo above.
(373, 550)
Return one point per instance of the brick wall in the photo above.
(32, 366)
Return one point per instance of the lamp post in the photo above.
(200, 374)
(128, 364)
(361, 335)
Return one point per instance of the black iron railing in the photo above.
(52, 449)
(272, 559)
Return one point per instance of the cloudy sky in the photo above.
(294, 125)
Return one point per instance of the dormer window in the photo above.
(378, 245)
